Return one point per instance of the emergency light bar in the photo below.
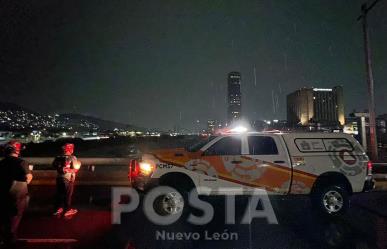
(239, 129)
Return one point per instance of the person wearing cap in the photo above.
(14, 178)
(67, 167)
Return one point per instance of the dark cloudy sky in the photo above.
(164, 63)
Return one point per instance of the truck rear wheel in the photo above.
(331, 200)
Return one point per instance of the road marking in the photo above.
(50, 182)
(49, 241)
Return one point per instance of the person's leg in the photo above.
(57, 195)
(70, 189)
(21, 204)
(60, 194)
(6, 216)
(7, 235)
(3, 218)
(69, 194)
(5, 227)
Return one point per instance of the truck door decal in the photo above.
(344, 158)
(247, 171)
(201, 167)
(242, 168)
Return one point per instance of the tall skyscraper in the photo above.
(323, 106)
(234, 110)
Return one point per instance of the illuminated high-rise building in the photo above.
(323, 106)
(234, 110)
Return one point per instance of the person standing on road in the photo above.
(67, 167)
(14, 178)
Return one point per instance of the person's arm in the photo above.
(75, 165)
(27, 172)
(29, 178)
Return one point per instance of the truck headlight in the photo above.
(146, 168)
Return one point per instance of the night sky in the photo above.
(165, 63)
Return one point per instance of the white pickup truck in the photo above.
(328, 166)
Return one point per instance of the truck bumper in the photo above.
(143, 183)
(369, 184)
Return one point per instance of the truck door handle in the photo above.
(236, 162)
(279, 161)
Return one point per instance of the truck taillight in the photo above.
(133, 169)
(369, 168)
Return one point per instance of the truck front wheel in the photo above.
(170, 203)
(331, 200)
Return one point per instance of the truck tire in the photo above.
(332, 200)
(176, 201)
(170, 204)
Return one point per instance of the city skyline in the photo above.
(144, 62)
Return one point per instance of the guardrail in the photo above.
(87, 175)
(379, 168)
(379, 171)
(84, 160)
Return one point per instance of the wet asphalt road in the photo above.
(364, 226)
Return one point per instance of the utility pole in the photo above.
(370, 80)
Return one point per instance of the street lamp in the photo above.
(370, 80)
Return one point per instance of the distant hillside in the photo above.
(15, 117)
(75, 118)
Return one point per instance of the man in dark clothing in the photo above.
(14, 177)
(67, 167)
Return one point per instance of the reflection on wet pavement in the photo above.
(299, 227)
(364, 226)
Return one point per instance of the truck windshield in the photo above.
(198, 145)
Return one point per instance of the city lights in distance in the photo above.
(322, 89)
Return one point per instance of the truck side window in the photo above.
(260, 145)
(225, 146)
